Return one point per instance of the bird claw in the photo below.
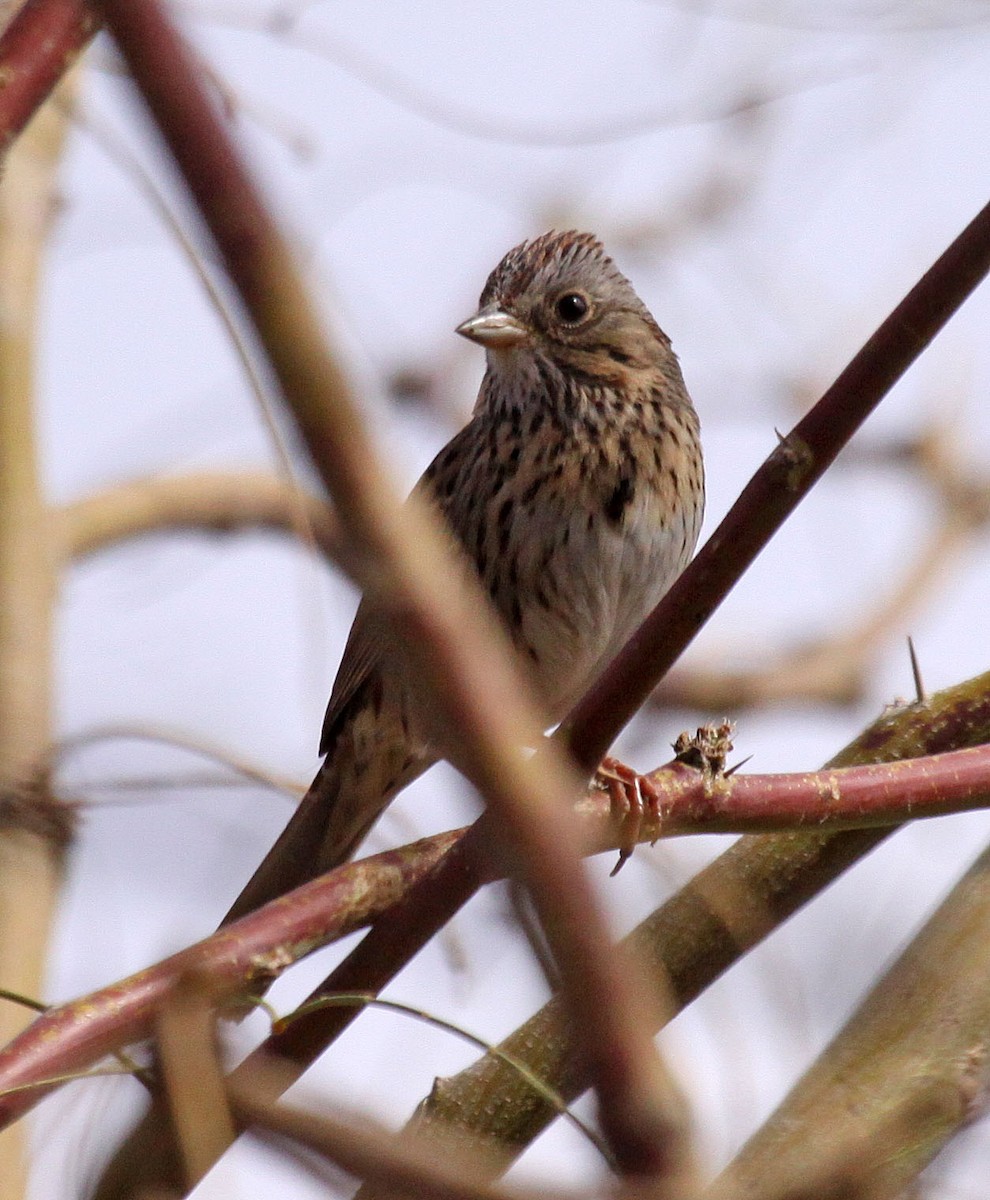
(631, 796)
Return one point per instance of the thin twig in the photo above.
(406, 1167)
(513, 1062)
(448, 114)
(97, 735)
(299, 505)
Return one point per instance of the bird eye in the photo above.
(571, 307)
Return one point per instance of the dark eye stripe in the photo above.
(587, 378)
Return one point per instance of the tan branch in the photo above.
(446, 1169)
(31, 845)
(193, 1075)
(918, 1049)
(207, 501)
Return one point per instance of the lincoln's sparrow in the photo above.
(577, 489)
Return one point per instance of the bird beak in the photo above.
(493, 328)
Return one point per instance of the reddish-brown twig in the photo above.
(80, 1033)
(773, 493)
(83, 1031)
(688, 802)
(36, 49)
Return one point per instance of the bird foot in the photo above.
(632, 797)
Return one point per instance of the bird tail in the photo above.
(329, 824)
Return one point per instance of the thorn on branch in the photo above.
(738, 766)
(973, 1083)
(796, 458)
(921, 696)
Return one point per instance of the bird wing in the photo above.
(360, 661)
(362, 657)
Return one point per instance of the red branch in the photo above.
(689, 801)
(36, 49)
(79, 1034)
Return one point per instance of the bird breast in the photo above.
(588, 562)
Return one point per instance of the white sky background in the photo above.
(836, 196)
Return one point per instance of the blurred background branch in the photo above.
(34, 828)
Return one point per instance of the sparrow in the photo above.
(577, 492)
